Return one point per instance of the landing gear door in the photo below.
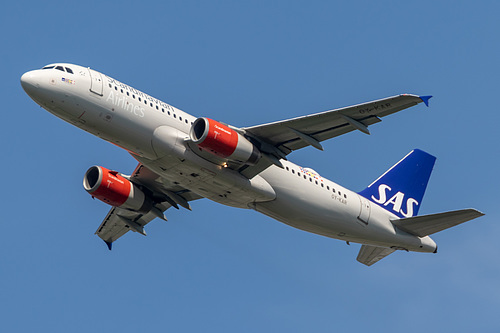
(96, 84)
(364, 210)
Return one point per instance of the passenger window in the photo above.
(69, 70)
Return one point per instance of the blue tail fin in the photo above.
(401, 188)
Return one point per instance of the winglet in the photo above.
(109, 244)
(425, 99)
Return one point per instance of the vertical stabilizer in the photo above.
(401, 188)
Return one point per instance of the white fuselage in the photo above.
(155, 132)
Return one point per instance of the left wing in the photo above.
(119, 221)
(280, 138)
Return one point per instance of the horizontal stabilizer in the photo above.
(369, 254)
(426, 225)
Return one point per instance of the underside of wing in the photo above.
(278, 139)
(164, 194)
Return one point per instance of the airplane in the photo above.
(182, 158)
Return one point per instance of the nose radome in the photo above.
(29, 81)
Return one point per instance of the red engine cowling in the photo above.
(223, 141)
(113, 189)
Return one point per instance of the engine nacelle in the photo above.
(113, 189)
(222, 141)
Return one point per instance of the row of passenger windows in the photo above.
(150, 104)
(315, 181)
(60, 68)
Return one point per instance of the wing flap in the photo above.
(368, 254)
(426, 225)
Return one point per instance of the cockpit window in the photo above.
(61, 68)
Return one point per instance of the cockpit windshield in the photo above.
(60, 68)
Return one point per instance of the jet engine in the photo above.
(220, 140)
(115, 190)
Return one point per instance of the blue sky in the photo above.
(228, 270)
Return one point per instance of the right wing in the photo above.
(119, 221)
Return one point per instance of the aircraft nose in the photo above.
(30, 82)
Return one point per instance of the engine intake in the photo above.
(115, 190)
(222, 141)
